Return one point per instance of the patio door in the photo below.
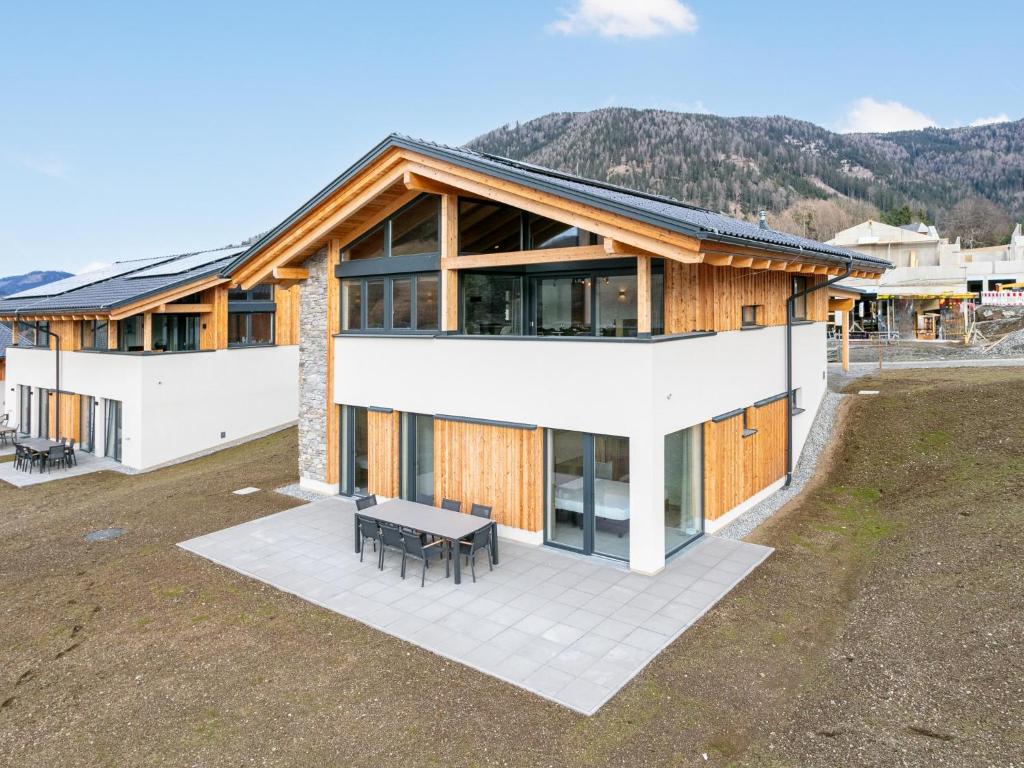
(44, 413)
(87, 420)
(112, 431)
(417, 463)
(588, 497)
(355, 451)
(25, 409)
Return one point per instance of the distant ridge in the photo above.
(741, 165)
(16, 283)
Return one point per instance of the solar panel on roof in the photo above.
(75, 282)
(187, 263)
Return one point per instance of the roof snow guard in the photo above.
(654, 210)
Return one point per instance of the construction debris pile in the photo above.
(1000, 330)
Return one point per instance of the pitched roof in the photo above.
(656, 210)
(123, 283)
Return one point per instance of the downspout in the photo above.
(790, 303)
(56, 404)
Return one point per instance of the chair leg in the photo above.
(362, 547)
(490, 560)
(472, 567)
(423, 574)
(403, 564)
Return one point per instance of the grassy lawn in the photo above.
(885, 630)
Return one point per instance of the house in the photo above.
(5, 341)
(934, 283)
(612, 372)
(152, 361)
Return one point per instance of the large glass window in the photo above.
(548, 233)
(129, 334)
(492, 305)
(34, 334)
(489, 227)
(175, 333)
(250, 328)
(412, 231)
(355, 450)
(418, 457)
(415, 229)
(400, 303)
(611, 496)
(351, 305)
(374, 304)
(684, 479)
(112, 431)
(94, 334)
(616, 305)
(24, 409)
(563, 306)
(44, 412)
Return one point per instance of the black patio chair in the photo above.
(31, 459)
(365, 502)
(451, 505)
(391, 537)
(69, 453)
(55, 456)
(368, 531)
(414, 547)
(479, 542)
(479, 510)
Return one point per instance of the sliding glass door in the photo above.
(112, 431)
(355, 451)
(418, 458)
(684, 487)
(87, 420)
(588, 498)
(44, 413)
(25, 409)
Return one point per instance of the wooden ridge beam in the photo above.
(417, 183)
(182, 309)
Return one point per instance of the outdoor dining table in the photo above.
(40, 444)
(440, 523)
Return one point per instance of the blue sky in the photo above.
(137, 129)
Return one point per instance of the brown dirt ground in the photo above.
(885, 630)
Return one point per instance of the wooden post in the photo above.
(845, 355)
(643, 295)
(112, 326)
(147, 332)
(449, 277)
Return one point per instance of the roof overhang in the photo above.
(398, 168)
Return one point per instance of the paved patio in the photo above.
(571, 629)
(86, 463)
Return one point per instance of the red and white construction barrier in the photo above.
(1003, 298)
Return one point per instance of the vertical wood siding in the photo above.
(501, 467)
(287, 316)
(382, 436)
(70, 415)
(701, 297)
(737, 467)
(213, 326)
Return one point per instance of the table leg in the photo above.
(458, 560)
(355, 520)
(494, 543)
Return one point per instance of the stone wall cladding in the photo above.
(313, 369)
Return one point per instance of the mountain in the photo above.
(16, 283)
(741, 165)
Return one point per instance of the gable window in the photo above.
(486, 227)
(751, 316)
(251, 316)
(94, 334)
(412, 231)
(391, 303)
(800, 302)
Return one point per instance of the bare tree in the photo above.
(978, 223)
(822, 219)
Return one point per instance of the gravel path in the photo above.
(817, 439)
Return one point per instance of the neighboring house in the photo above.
(158, 360)
(5, 341)
(929, 292)
(606, 369)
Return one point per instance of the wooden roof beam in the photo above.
(290, 273)
(519, 258)
(150, 303)
(717, 259)
(417, 183)
(182, 309)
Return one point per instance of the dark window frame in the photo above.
(248, 329)
(525, 225)
(800, 284)
(387, 280)
(248, 303)
(758, 321)
(385, 224)
(95, 325)
(35, 334)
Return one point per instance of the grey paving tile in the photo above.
(540, 650)
(613, 629)
(573, 661)
(486, 656)
(631, 615)
(645, 639)
(562, 634)
(517, 668)
(583, 619)
(507, 615)
(532, 624)
(584, 695)
(511, 639)
(594, 644)
(547, 681)
(574, 598)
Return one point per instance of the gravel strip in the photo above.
(296, 491)
(817, 439)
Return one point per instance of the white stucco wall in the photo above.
(639, 390)
(173, 405)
